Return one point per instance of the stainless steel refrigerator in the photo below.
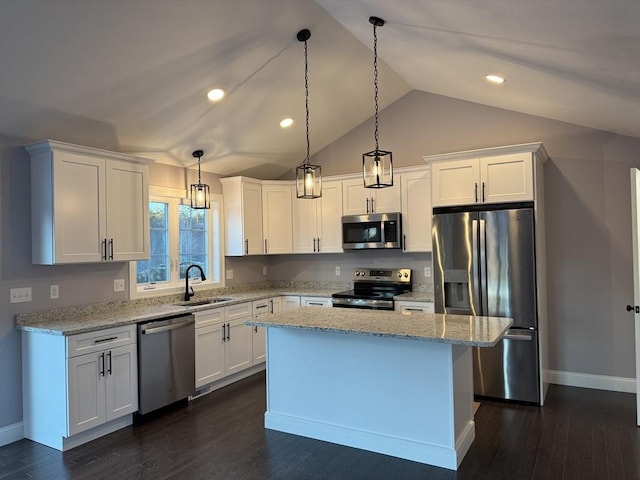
(484, 264)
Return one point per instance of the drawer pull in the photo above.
(102, 340)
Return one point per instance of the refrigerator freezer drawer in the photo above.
(510, 369)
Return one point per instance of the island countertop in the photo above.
(434, 327)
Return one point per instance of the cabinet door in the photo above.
(305, 223)
(330, 221)
(80, 219)
(127, 211)
(121, 374)
(356, 199)
(277, 218)
(252, 218)
(507, 178)
(416, 211)
(209, 354)
(86, 390)
(387, 200)
(259, 345)
(455, 182)
(290, 302)
(238, 346)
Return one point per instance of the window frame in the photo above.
(215, 279)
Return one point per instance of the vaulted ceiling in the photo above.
(133, 75)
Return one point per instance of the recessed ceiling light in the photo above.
(286, 123)
(215, 94)
(495, 79)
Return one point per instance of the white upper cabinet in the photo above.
(277, 217)
(416, 210)
(359, 200)
(243, 216)
(87, 205)
(496, 175)
(317, 222)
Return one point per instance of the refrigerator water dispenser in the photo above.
(456, 290)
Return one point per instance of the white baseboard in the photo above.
(11, 433)
(585, 380)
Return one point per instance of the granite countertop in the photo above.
(74, 320)
(435, 327)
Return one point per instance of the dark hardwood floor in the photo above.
(579, 434)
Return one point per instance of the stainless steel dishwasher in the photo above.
(166, 362)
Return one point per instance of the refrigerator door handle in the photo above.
(475, 287)
(483, 266)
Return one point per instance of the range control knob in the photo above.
(400, 274)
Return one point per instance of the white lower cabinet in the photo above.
(209, 351)
(315, 302)
(289, 302)
(262, 307)
(79, 387)
(224, 344)
(238, 342)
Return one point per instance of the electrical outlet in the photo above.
(118, 285)
(337, 270)
(20, 295)
(427, 271)
(264, 270)
(229, 274)
(54, 291)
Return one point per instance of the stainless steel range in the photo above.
(374, 288)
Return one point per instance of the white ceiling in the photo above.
(133, 75)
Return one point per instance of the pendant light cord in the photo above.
(306, 98)
(375, 80)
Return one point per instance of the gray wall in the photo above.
(587, 191)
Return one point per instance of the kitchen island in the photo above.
(400, 384)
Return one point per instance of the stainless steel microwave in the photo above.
(376, 230)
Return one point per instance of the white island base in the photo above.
(407, 398)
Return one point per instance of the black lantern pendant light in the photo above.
(308, 177)
(200, 197)
(377, 165)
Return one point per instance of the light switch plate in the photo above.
(229, 274)
(264, 270)
(118, 285)
(54, 291)
(20, 295)
(337, 270)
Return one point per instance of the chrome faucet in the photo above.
(188, 292)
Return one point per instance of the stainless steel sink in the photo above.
(206, 301)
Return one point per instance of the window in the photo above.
(179, 236)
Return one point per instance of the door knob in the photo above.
(631, 308)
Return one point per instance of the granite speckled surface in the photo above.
(74, 320)
(455, 329)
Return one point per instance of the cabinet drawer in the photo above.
(425, 307)
(261, 306)
(315, 302)
(209, 317)
(100, 339)
(241, 310)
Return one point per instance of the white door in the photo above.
(635, 230)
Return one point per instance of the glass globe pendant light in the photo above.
(308, 177)
(377, 165)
